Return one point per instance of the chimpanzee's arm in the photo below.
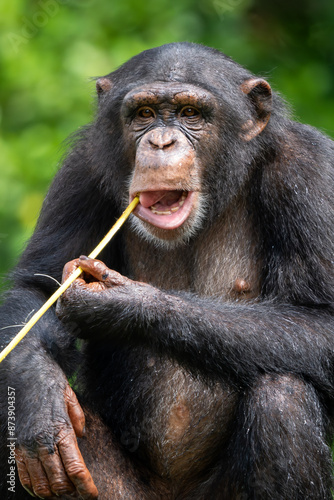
(48, 416)
(237, 341)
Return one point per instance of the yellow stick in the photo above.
(33, 320)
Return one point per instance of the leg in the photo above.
(115, 476)
(280, 450)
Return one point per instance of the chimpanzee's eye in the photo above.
(189, 111)
(145, 112)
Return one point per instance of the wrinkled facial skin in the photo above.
(166, 127)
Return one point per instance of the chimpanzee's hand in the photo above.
(101, 302)
(96, 277)
(51, 465)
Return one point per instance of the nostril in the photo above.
(153, 144)
(168, 144)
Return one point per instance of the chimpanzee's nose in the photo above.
(161, 138)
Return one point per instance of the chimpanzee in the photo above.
(202, 351)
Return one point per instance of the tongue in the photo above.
(149, 198)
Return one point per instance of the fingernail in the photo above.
(83, 257)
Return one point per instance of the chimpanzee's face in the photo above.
(168, 126)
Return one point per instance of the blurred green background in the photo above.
(49, 49)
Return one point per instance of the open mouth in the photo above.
(165, 209)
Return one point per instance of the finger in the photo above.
(54, 469)
(23, 472)
(74, 411)
(39, 481)
(95, 267)
(69, 269)
(75, 467)
(101, 272)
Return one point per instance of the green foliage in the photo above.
(49, 49)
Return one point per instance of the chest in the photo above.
(224, 261)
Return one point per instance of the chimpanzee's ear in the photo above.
(259, 93)
(103, 85)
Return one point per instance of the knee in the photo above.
(285, 397)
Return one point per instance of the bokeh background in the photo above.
(50, 50)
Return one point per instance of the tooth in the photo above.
(174, 209)
(159, 212)
(182, 199)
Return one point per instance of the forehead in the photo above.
(170, 92)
